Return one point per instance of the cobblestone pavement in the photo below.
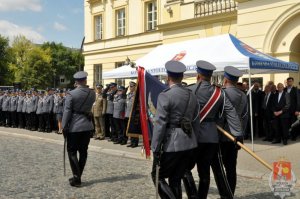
(32, 168)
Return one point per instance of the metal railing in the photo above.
(211, 7)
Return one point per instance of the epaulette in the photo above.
(166, 90)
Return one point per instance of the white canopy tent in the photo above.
(221, 51)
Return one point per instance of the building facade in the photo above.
(117, 29)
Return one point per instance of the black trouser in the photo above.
(281, 128)
(21, 120)
(267, 123)
(28, 121)
(172, 166)
(78, 142)
(41, 122)
(111, 125)
(2, 118)
(13, 116)
(205, 154)
(119, 129)
(107, 125)
(295, 131)
(258, 126)
(54, 122)
(227, 157)
(47, 120)
(7, 120)
(34, 121)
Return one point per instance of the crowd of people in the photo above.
(42, 111)
(275, 109)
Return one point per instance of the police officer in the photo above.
(13, 109)
(5, 108)
(47, 110)
(98, 110)
(110, 110)
(119, 115)
(59, 109)
(1, 113)
(24, 109)
(20, 114)
(30, 111)
(33, 116)
(229, 150)
(207, 134)
(172, 143)
(39, 111)
(77, 125)
(134, 141)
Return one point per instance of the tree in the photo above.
(65, 61)
(6, 76)
(37, 70)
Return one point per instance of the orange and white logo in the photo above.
(282, 179)
(179, 56)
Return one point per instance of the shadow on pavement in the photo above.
(115, 179)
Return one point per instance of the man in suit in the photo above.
(267, 113)
(172, 145)
(280, 108)
(292, 91)
(77, 125)
(257, 99)
(207, 134)
(228, 152)
(98, 110)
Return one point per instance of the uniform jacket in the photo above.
(129, 103)
(60, 105)
(13, 104)
(80, 99)
(207, 132)
(119, 107)
(35, 99)
(239, 101)
(283, 105)
(170, 109)
(99, 106)
(30, 105)
(24, 107)
(48, 104)
(39, 109)
(1, 101)
(6, 103)
(110, 102)
(20, 103)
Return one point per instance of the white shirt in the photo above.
(268, 96)
(279, 96)
(289, 89)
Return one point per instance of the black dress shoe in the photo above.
(134, 146)
(266, 139)
(123, 142)
(117, 142)
(75, 182)
(130, 145)
(276, 142)
(284, 142)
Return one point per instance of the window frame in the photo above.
(100, 27)
(123, 22)
(153, 21)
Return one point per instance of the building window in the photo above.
(97, 74)
(120, 82)
(121, 22)
(151, 15)
(62, 80)
(98, 27)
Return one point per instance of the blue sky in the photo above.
(43, 20)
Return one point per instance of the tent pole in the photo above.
(251, 112)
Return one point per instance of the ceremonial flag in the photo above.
(149, 89)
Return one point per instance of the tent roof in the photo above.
(222, 50)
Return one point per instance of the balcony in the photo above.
(212, 7)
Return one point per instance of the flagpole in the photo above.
(245, 148)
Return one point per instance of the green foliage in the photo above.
(37, 66)
(6, 76)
